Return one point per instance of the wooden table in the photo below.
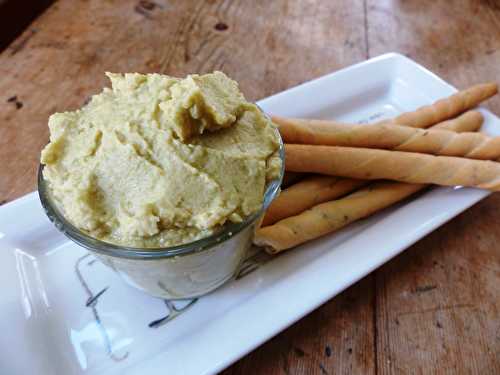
(433, 309)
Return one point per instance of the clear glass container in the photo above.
(178, 272)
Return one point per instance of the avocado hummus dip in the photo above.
(157, 161)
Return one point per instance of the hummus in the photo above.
(158, 161)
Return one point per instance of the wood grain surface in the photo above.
(433, 309)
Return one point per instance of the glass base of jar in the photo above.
(184, 276)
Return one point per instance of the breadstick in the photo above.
(298, 229)
(296, 199)
(307, 193)
(330, 216)
(370, 199)
(469, 121)
(446, 108)
(312, 131)
(392, 137)
(393, 165)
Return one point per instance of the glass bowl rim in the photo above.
(120, 251)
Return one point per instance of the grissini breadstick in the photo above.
(308, 193)
(320, 131)
(392, 137)
(446, 108)
(301, 228)
(330, 216)
(469, 121)
(393, 165)
(296, 199)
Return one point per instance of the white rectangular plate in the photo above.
(47, 281)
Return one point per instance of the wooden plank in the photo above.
(267, 46)
(459, 40)
(438, 304)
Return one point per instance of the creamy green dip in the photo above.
(158, 161)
